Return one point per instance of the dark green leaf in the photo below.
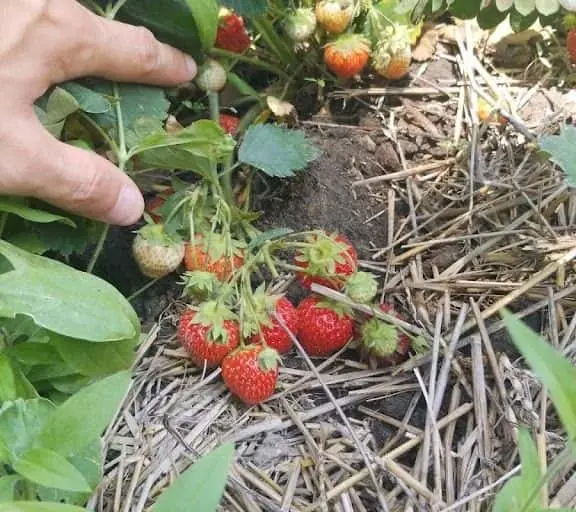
(205, 14)
(64, 300)
(96, 359)
(88, 100)
(520, 23)
(248, 8)
(276, 150)
(491, 17)
(554, 370)
(35, 506)
(169, 20)
(267, 236)
(561, 150)
(21, 422)
(13, 383)
(18, 206)
(7, 487)
(70, 384)
(50, 469)
(202, 484)
(28, 241)
(32, 354)
(82, 419)
(22, 328)
(464, 9)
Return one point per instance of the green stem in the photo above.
(113, 146)
(142, 289)
(98, 249)
(217, 52)
(113, 11)
(214, 103)
(3, 219)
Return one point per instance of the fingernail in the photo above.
(192, 67)
(128, 208)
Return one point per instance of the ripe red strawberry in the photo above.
(335, 15)
(251, 372)
(156, 253)
(382, 343)
(232, 34)
(209, 334)
(229, 123)
(211, 76)
(325, 326)
(155, 203)
(214, 253)
(300, 24)
(347, 56)
(571, 44)
(328, 261)
(393, 53)
(263, 327)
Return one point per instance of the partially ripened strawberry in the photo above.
(361, 287)
(487, 115)
(347, 56)
(382, 343)
(209, 333)
(335, 15)
(260, 325)
(300, 24)
(571, 44)
(393, 54)
(211, 76)
(251, 372)
(156, 253)
(214, 253)
(155, 203)
(232, 34)
(328, 260)
(229, 123)
(325, 326)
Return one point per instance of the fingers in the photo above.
(72, 179)
(122, 52)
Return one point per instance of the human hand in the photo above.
(45, 42)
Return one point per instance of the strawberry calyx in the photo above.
(199, 284)
(322, 255)
(218, 246)
(260, 308)
(213, 314)
(380, 337)
(361, 287)
(350, 43)
(155, 234)
(268, 359)
(337, 307)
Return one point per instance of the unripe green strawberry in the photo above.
(300, 24)
(155, 252)
(211, 76)
(361, 287)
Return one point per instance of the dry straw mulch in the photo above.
(490, 226)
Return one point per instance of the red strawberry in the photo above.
(335, 15)
(347, 56)
(382, 343)
(154, 204)
(325, 326)
(263, 327)
(209, 334)
(156, 253)
(232, 34)
(214, 253)
(328, 261)
(229, 123)
(571, 44)
(250, 372)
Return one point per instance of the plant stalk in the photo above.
(3, 219)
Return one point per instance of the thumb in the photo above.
(74, 180)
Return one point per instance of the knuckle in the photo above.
(148, 50)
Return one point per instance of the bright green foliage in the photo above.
(561, 150)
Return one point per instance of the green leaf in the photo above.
(520, 23)
(32, 354)
(491, 17)
(18, 206)
(13, 383)
(21, 422)
(555, 371)
(64, 300)
(276, 150)
(50, 469)
(29, 242)
(202, 484)
(83, 417)
(561, 150)
(96, 359)
(8, 486)
(547, 7)
(525, 7)
(89, 463)
(35, 506)
(267, 236)
(88, 100)
(248, 8)
(170, 20)
(465, 9)
(205, 14)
